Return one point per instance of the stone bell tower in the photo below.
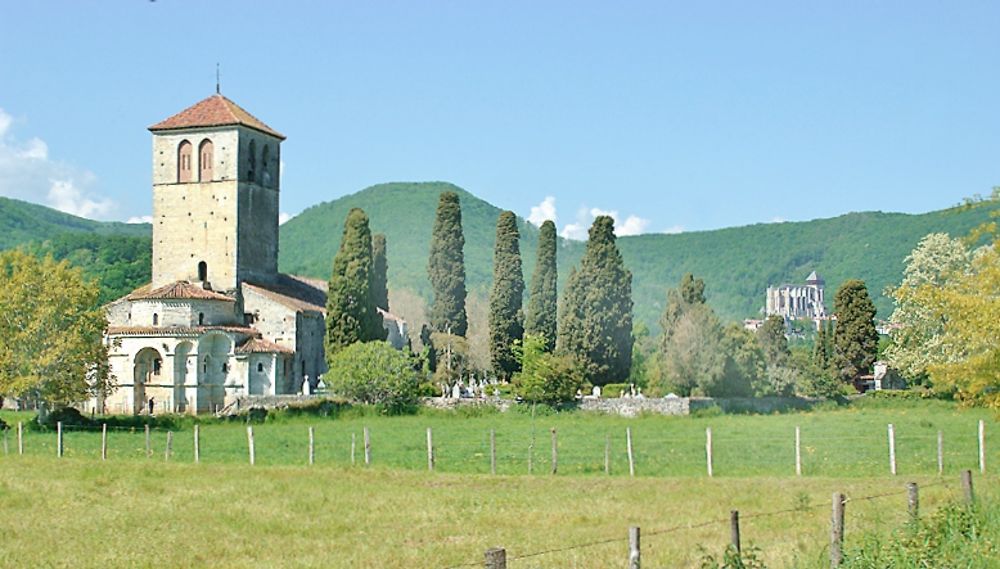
(215, 197)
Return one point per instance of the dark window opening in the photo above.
(156, 319)
(201, 318)
(157, 365)
(260, 368)
(203, 271)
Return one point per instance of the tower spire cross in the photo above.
(217, 82)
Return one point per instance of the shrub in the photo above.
(374, 373)
(613, 389)
(545, 377)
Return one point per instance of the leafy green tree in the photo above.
(744, 369)
(380, 266)
(855, 340)
(542, 314)
(780, 377)
(52, 331)
(452, 357)
(374, 373)
(446, 268)
(643, 346)
(351, 315)
(545, 377)
(689, 292)
(506, 318)
(693, 361)
(822, 351)
(596, 321)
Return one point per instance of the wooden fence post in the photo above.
(798, 451)
(734, 528)
(493, 451)
(628, 449)
(555, 451)
(496, 558)
(149, 445)
(892, 450)
(982, 447)
(250, 445)
(912, 500)
(197, 444)
(170, 445)
(634, 551)
(59, 439)
(354, 444)
(430, 450)
(708, 449)
(20, 438)
(940, 450)
(607, 455)
(104, 441)
(837, 531)
(312, 446)
(368, 447)
(970, 497)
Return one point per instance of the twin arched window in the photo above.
(205, 151)
(185, 162)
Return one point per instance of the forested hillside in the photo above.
(737, 264)
(21, 222)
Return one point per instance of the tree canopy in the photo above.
(506, 318)
(446, 268)
(855, 340)
(542, 317)
(380, 266)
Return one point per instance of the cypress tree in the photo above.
(446, 268)
(542, 302)
(350, 310)
(380, 265)
(821, 353)
(855, 340)
(595, 325)
(506, 318)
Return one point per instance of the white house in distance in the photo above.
(218, 321)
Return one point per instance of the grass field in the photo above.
(131, 511)
(847, 442)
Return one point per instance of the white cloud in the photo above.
(777, 219)
(543, 211)
(283, 217)
(27, 172)
(631, 225)
(674, 230)
(140, 219)
(65, 196)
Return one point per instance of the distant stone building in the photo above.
(794, 301)
(218, 321)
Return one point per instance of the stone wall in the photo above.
(631, 407)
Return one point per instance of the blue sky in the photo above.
(676, 116)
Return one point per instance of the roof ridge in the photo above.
(214, 110)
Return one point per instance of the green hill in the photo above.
(737, 263)
(22, 222)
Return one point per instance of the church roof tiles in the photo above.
(214, 111)
(262, 346)
(177, 330)
(178, 290)
(297, 293)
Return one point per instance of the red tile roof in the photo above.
(177, 330)
(178, 290)
(214, 111)
(262, 346)
(297, 293)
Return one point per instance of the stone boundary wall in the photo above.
(632, 406)
(449, 403)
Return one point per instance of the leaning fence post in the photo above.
(493, 451)
(312, 446)
(940, 450)
(912, 500)
(104, 441)
(982, 447)
(197, 444)
(250, 445)
(555, 451)
(634, 552)
(368, 447)
(59, 439)
(607, 454)
(496, 558)
(798, 451)
(734, 528)
(149, 445)
(20, 438)
(892, 450)
(628, 448)
(430, 450)
(708, 449)
(837, 531)
(170, 445)
(967, 487)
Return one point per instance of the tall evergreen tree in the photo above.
(380, 266)
(690, 292)
(773, 341)
(855, 340)
(821, 352)
(446, 268)
(506, 317)
(542, 304)
(350, 310)
(595, 324)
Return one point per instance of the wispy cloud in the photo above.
(630, 225)
(543, 211)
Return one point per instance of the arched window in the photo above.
(201, 318)
(260, 368)
(265, 166)
(252, 161)
(184, 162)
(203, 271)
(205, 151)
(156, 319)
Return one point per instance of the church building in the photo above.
(218, 321)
